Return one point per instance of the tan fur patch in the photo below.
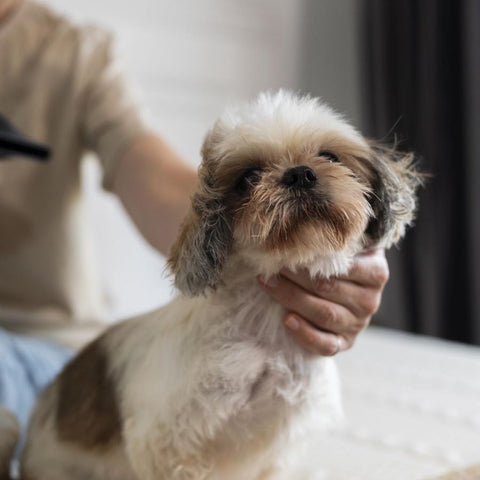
(87, 409)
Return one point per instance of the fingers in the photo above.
(319, 326)
(360, 291)
(326, 315)
(360, 300)
(369, 269)
(319, 312)
(312, 339)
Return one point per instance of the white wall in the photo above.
(329, 57)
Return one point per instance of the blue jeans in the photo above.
(27, 365)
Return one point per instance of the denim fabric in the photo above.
(27, 365)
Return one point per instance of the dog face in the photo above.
(285, 181)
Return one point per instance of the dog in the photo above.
(211, 386)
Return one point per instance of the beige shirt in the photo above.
(59, 84)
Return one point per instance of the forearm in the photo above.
(155, 186)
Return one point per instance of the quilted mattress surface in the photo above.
(412, 406)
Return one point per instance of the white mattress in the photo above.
(412, 405)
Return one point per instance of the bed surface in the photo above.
(413, 409)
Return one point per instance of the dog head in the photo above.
(286, 182)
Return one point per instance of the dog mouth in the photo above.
(286, 218)
(306, 214)
(299, 207)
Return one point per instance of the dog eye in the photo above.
(248, 179)
(330, 155)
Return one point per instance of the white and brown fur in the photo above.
(211, 386)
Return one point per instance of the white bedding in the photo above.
(413, 409)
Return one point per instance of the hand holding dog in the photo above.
(325, 316)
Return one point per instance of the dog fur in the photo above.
(211, 386)
(9, 434)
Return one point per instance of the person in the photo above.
(61, 85)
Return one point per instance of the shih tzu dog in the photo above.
(211, 386)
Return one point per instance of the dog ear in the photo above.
(204, 242)
(394, 182)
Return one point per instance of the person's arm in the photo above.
(155, 186)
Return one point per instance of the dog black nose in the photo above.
(301, 177)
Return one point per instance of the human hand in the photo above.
(326, 315)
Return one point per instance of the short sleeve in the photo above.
(111, 117)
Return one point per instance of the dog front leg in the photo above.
(177, 451)
(178, 446)
(158, 456)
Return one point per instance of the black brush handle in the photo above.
(11, 144)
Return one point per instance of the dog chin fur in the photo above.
(211, 386)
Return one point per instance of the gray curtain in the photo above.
(421, 85)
